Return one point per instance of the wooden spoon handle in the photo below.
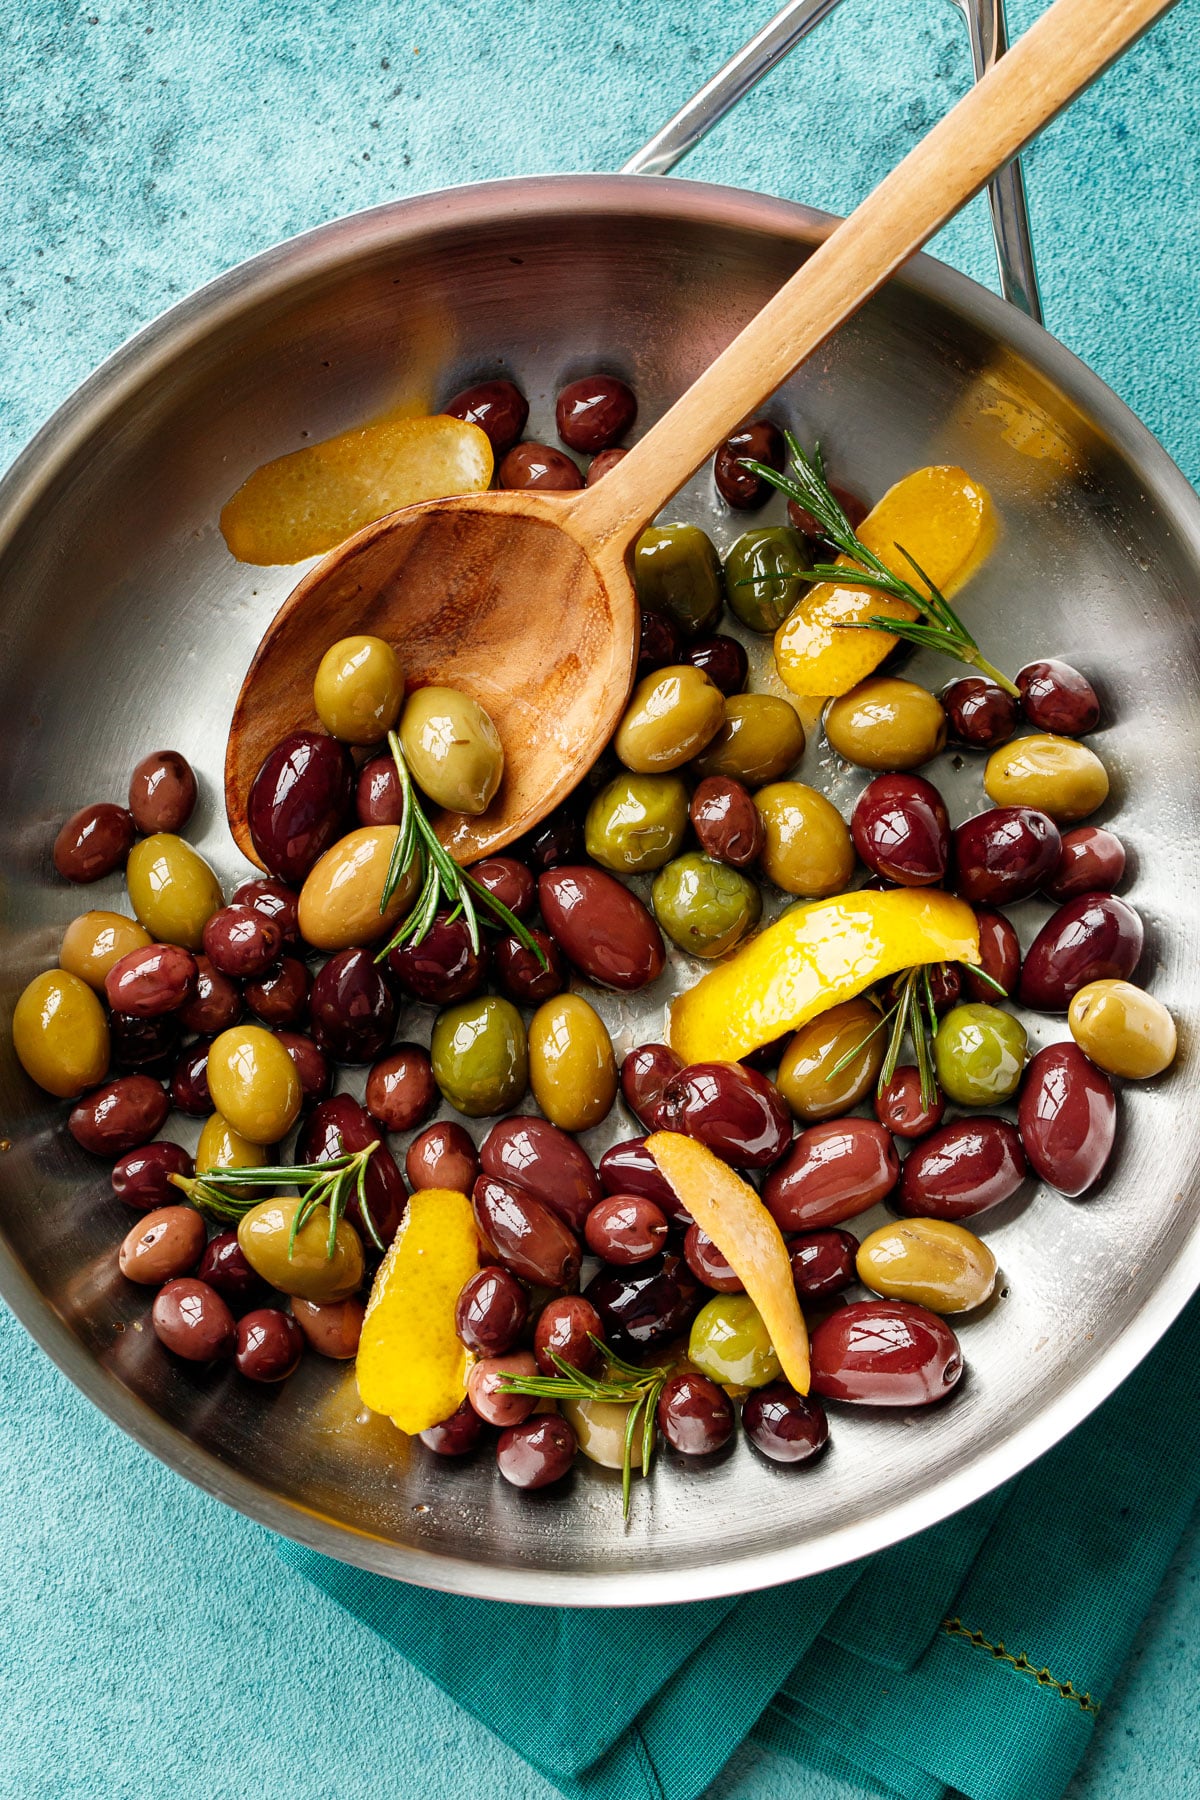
(1068, 47)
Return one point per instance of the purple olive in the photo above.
(455, 1436)
(645, 1073)
(1005, 855)
(240, 941)
(708, 1265)
(628, 1168)
(645, 1306)
(695, 1415)
(602, 926)
(1092, 862)
(834, 1171)
(884, 1353)
(526, 1236)
(189, 1081)
(352, 1008)
(786, 1426)
(723, 660)
(401, 1092)
(1055, 697)
(225, 1268)
(268, 1345)
(536, 1452)
(823, 1262)
(148, 1044)
(727, 823)
(999, 956)
(214, 1004)
(760, 441)
(93, 842)
(624, 1229)
(491, 1311)
(966, 1167)
(545, 1162)
(594, 413)
(499, 408)
(443, 967)
(338, 1126)
(565, 1329)
(162, 792)
(312, 1065)
(298, 802)
(275, 900)
(658, 645)
(854, 507)
(377, 796)
(1096, 937)
(521, 975)
(1067, 1117)
(979, 713)
(157, 978)
(736, 1112)
(557, 840)
(901, 830)
(119, 1116)
(900, 1107)
(141, 1178)
(280, 996)
(509, 881)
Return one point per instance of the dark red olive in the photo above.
(999, 957)
(645, 1073)
(901, 830)
(735, 1111)
(93, 842)
(298, 802)
(645, 1306)
(141, 1178)
(1096, 937)
(544, 1161)
(594, 413)
(884, 1353)
(149, 1044)
(966, 1167)
(442, 1156)
(275, 900)
(280, 997)
(268, 1345)
(214, 1004)
(695, 1415)
(333, 1327)
(726, 821)
(536, 1452)
(823, 1262)
(377, 796)
(979, 713)
(533, 465)
(603, 927)
(191, 1319)
(509, 881)
(443, 967)
(600, 465)
(786, 1426)
(628, 1168)
(225, 1268)
(802, 520)
(162, 792)
(120, 1115)
(723, 660)
(312, 1065)
(565, 1329)
(340, 1125)
(499, 408)
(1004, 855)
(240, 941)
(521, 975)
(900, 1107)
(352, 1008)
(157, 978)
(401, 1092)
(488, 1393)
(189, 1081)
(1092, 862)
(455, 1436)
(491, 1311)
(707, 1263)
(834, 1171)
(658, 646)
(527, 1237)
(1056, 697)
(759, 441)
(557, 840)
(1067, 1117)
(625, 1229)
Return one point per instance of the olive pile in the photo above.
(240, 1014)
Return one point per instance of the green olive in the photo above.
(358, 689)
(452, 748)
(600, 1428)
(480, 1057)
(1122, 1029)
(762, 576)
(572, 1069)
(339, 902)
(1054, 774)
(704, 906)
(730, 1343)
(305, 1269)
(933, 1262)
(94, 941)
(253, 1083)
(672, 715)
(885, 723)
(172, 889)
(678, 572)
(221, 1147)
(979, 1052)
(807, 1078)
(807, 848)
(637, 822)
(60, 1034)
(760, 740)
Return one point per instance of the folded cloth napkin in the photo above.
(973, 1657)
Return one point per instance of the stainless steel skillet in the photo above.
(125, 625)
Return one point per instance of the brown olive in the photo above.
(600, 465)
(708, 1264)
(442, 1156)
(275, 900)
(312, 1065)
(695, 1415)
(401, 1092)
(142, 1177)
(93, 842)
(534, 465)
(280, 997)
(760, 740)
(901, 1108)
(485, 1390)
(547, 1162)
(509, 881)
(565, 1329)
(602, 926)
(536, 1452)
(191, 1319)
(760, 441)
(522, 974)
(94, 941)
(162, 792)
(332, 1327)
(167, 1242)
(147, 982)
(189, 1080)
(809, 1077)
(625, 1229)
(499, 408)
(225, 1268)
(594, 413)
(456, 1436)
(491, 1311)
(885, 723)
(527, 1237)
(833, 1171)
(726, 821)
(807, 849)
(119, 1116)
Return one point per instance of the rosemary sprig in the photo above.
(623, 1385)
(443, 881)
(912, 1014)
(938, 626)
(331, 1184)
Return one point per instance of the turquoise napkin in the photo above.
(974, 1657)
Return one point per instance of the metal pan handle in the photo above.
(989, 39)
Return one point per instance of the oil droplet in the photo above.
(5, 1144)
(422, 1508)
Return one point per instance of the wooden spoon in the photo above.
(525, 599)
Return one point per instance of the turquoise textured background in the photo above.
(153, 1645)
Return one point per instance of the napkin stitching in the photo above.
(1066, 1690)
(647, 1762)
